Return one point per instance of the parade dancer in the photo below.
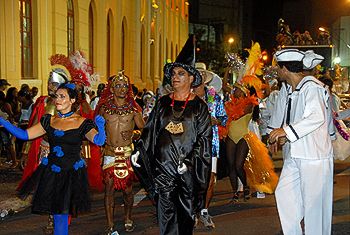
(38, 148)
(247, 156)
(218, 117)
(60, 182)
(175, 147)
(121, 112)
(306, 183)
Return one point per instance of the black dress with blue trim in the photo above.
(60, 183)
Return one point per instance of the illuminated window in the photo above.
(25, 7)
(70, 26)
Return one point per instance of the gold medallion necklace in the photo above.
(177, 128)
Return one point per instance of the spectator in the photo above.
(35, 92)
(94, 101)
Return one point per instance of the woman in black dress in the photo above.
(60, 182)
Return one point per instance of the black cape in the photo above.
(160, 150)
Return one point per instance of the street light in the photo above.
(231, 40)
(337, 60)
(322, 29)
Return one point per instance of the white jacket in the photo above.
(306, 117)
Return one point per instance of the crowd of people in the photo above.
(15, 106)
(173, 141)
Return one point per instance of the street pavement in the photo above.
(256, 216)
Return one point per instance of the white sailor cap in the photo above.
(311, 60)
(286, 55)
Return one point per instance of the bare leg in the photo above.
(204, 217)
(231, 161)
(210, 190)
(128, 197)
(12, 152)
(109, 202)
(241, 155)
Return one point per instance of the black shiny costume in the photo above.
(175, 194)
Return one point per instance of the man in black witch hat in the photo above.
(175, 147)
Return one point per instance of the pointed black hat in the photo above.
(186, 60)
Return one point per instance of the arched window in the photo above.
(91, 36)
(70, 26)
(26, 38)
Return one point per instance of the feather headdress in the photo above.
(80, 71)
(248, 72)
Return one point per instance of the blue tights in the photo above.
(60, 224)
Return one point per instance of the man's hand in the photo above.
(277, 138)
(215, 121)
(182, 168)
(134, 159)
(273, 148)
(282, 141)
(276, 134)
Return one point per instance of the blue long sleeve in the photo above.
(18, 132)
(100, 137)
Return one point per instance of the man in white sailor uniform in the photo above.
(301, 123)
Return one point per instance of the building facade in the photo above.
(138, 36)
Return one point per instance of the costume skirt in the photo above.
(64, 192)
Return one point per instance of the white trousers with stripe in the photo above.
(305, 190)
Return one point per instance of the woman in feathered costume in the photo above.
(247, 156)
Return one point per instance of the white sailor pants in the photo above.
(305, 190)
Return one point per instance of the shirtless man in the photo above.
(121, 112)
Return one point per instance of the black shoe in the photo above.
(235, 197)
(246, 193)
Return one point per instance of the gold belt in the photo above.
(120, 155)
(124, 152)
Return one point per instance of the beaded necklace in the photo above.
(65, 115)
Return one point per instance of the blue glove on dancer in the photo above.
(16, 131)
(100, 137)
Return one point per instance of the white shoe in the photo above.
(260, 195)
(205, 218)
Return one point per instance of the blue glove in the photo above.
(100, 137)
(18, 132)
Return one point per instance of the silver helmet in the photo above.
(58, 75)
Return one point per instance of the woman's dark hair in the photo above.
(327, 81)
(72, 93)
(256, 111)
(292, 66)
(10, 96)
